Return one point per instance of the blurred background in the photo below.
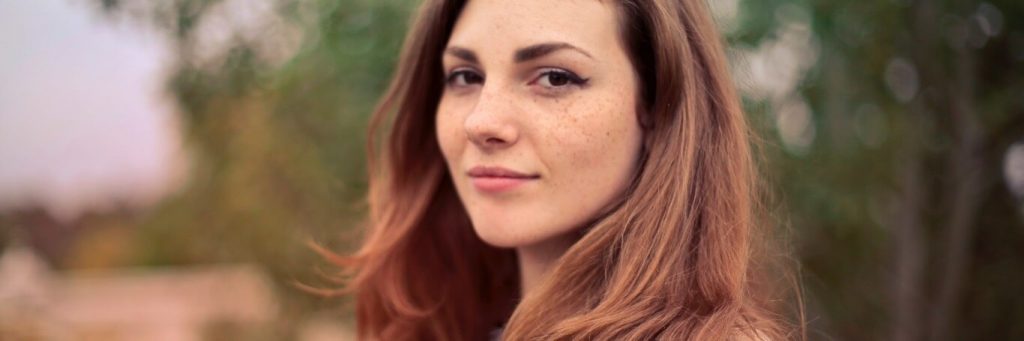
(164, 165)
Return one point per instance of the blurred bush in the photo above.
(274, 98)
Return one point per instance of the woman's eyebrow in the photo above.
(521, 55)
(462, 53)
(540, 50)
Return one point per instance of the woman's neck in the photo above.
(536, 259)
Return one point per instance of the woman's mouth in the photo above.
(498, 179)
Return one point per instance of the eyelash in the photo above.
(453, 77)
(571, 78)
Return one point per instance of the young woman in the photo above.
(571, 169)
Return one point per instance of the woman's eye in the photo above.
(464, 78)
(557, 78)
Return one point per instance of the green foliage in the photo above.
(276, 145)
(903, 180)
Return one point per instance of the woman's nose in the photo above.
(491, 123)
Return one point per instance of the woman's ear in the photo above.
(646, 122)
(643, 113)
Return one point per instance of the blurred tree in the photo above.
(889, 161)
(273, 98)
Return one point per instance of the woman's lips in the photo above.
(497, 179)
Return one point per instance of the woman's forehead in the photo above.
(499, 27)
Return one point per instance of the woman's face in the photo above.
(538, 120)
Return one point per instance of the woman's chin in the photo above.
(500, 236)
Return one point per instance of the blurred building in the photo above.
(128, 304)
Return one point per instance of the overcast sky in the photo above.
(83, 120)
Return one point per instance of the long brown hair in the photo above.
(671, 261)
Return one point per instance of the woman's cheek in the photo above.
(594, 140)
(602, 152)
(447, 133)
